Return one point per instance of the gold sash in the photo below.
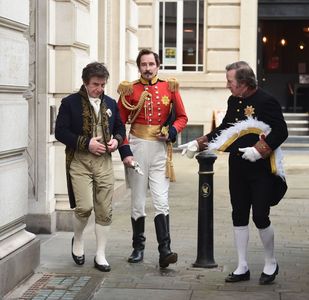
(145, 132)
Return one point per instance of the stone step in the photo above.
(298, 122)
(296, 116)
(296, 143)
(295, 147)
(298, 139)
(298, 131)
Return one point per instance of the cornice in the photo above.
(4, 22)
(14, 89)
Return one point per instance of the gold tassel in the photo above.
(173, 84)
(169, 172)
(125, 88)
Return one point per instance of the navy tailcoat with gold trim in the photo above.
(74, 126)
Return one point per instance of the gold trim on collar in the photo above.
(154, 80)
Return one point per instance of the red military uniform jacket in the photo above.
(147, 107)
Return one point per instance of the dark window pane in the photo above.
(170, 24)
(185, 68)
(191, 132)
(161, 31)
(168, 33)
(170, 68)
(201, 33)
(189, 32)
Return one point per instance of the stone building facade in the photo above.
(44, 44)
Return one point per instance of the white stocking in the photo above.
(101, 235)
(267, 238)
(241, 235)
(79, 225)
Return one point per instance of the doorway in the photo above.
(283, 53)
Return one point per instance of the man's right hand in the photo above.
(189, 148)
(128, 161)
(96, 147)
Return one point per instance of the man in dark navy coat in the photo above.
(89, 125)
(252, 131)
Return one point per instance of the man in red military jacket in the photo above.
(155, 110)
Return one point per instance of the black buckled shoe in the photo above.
(79, 260)
(266, 279)
(102, 268)
(238, 277)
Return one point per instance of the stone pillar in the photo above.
(16, 243)
(73, 32)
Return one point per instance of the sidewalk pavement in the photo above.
(58, 277)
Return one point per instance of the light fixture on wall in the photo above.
(306, 29)
(283, 42)
(188, 30)
(264, 39)
(301, 45)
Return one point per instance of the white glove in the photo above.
(137, 168)
(189, 148)
(250, 153)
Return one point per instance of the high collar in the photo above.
(249, 92)
(153, 81)
(83, 92)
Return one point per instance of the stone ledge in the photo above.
(14, 268)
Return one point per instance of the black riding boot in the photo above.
(163, 236)
(139, 239)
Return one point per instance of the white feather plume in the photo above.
(237, 128)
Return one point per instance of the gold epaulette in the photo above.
(125, 88)
(173, 84)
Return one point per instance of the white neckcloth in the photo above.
(95, 102)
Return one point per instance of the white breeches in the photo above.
(151, 156)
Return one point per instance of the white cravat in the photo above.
(95, 102)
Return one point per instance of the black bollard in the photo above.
(205, 241)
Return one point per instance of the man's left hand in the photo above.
(112, 145)
(250, 153)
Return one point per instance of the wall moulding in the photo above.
(7, 157)
(15, 89)
(77, 45)
(12, 227)
(4, 22)
(83, 2)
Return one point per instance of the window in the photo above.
(181, 35)
(190, 133)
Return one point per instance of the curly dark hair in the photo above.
(94, 69)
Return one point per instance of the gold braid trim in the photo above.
(135, 109)
(238, 135)
(173, 84)
(104, 123)
(126, 87)
(169, 171)
(87, 121)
